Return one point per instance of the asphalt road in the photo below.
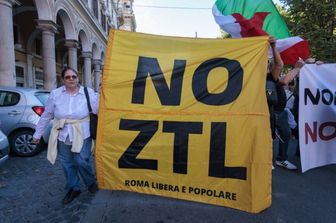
(31, 190)
(296, 198)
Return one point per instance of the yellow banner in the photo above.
(186, 118)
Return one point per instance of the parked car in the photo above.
(4, 147)
(20, 110)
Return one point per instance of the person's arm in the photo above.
(277, 61)
(293, 73)
(312, 60)
(47, 115)
(94, 100)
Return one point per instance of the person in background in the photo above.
(274, 68)
(70, 135)
(278, 115)
(281, 116)
(289, 108)
(290, 94)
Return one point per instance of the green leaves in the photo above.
(314, 21)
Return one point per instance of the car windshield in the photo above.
(42, 96)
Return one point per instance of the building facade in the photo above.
(126, 15)
(40, 37)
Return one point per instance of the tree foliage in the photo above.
(315, 21)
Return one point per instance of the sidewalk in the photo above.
(296, 197)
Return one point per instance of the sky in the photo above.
(186, 18)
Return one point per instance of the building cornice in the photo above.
(71, 43)
(47, 25)
(97, 62)
(87, 54)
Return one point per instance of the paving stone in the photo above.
(31, 190)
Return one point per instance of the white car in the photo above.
(20, 110)
(4, 147)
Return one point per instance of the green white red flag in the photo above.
(246, 18)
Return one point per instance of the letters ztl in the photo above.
(181, 130)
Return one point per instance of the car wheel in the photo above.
(20, 143)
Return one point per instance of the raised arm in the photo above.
(277, 63)
(292, 73)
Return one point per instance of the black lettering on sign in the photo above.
(147, 130)
(308, 94)
(167, 96)
(234, 85)
(327, 100)
(182, 131)
(217, 166)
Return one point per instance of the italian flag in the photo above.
(246, 18)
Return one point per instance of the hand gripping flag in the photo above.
(246, 18)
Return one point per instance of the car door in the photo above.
(11, 109)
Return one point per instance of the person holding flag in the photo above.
(278, 114)
(247, 18)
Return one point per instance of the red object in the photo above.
(253, 26)
(292, 54)
(38, 110)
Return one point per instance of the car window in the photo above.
(8, 98)
(42, 97)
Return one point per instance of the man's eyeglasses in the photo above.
(74, 77)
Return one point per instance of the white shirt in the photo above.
(290, 99)
(62, 105)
